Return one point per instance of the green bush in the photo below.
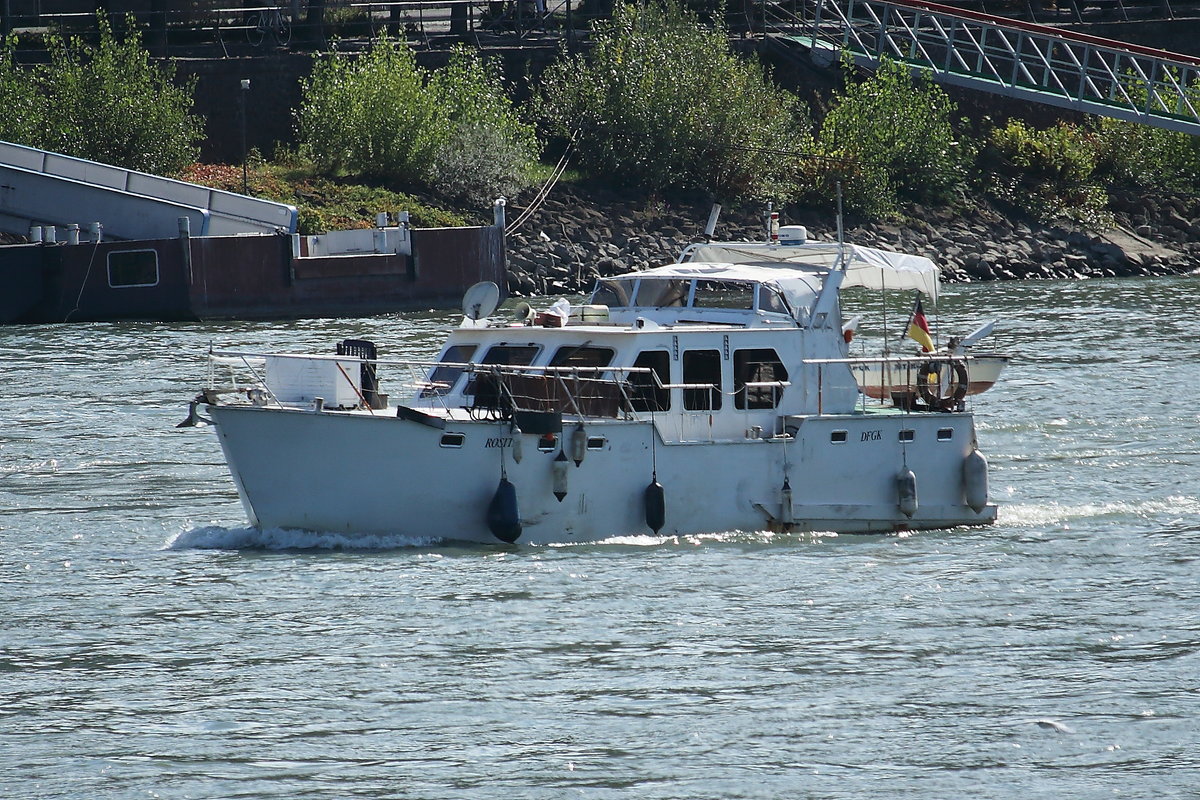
(900, 127)
(1140, 156)
(1143, 157)
(369, 115)
(21, 121)
(662, 103)
(1048, 172)
(865, 184)
(485, 150)
(106, 103)
(381, 116)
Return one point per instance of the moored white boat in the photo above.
(708, 395)
(896, 379)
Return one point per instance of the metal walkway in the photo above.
(38, 187)
(1002, 56)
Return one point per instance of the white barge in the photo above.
(709, 395)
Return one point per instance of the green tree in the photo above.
(381, 116)
(109, 103)
(369, 115)
(21, 121)
(898, 127)
(661, 102)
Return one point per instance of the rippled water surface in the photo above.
(151, 645)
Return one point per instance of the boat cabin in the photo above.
(712, 349)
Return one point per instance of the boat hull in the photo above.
(361, 474)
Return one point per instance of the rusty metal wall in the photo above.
(247, 277)
(448, 260)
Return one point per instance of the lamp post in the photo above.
(242, 96)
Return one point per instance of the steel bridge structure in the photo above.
(1038, 63)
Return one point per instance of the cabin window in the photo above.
(442, 379)
(757, 367)
(614, 294)
(596, 443)
(702, 367)
(582, 356)
(518, 355)
(945, 434)
(724, 294)
(452, 440)
(769, 299)
(663, 292)
(647, 393)
(510, 355)
(838, 437)
(129, 268)
(908, 435)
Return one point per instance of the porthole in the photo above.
(452, 440)
(907, 435)
(838, 437)
(596, 442)
(547, 442)
(945, 434)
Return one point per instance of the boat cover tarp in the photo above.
(865, 266)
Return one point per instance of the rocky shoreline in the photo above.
(576, 236)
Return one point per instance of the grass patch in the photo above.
(324, 203)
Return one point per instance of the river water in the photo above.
(151, 645)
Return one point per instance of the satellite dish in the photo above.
(481, 300)
(523, 312)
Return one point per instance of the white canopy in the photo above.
(865, 266)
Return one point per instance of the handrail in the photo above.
(210, 21)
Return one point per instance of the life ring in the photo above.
(929, 385)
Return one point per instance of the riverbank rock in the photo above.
(577, 235)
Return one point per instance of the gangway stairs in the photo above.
(1012, 58)
(40, 188)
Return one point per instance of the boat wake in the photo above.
(215, 537)
(726, 537)
(218, 538)
(1039, 515)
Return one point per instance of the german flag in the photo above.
(918, 327)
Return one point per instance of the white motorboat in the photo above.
(712, 394)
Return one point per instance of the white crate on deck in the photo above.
(301, 380)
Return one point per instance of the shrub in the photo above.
(381, 116)
(106, 103)
(1144, 157)
(1048, 172)
(109, 103)
(484, 149)
(865, 184)
(902, 126)
(662, 103)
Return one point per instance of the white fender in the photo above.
(906, 490)
(975, 480)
